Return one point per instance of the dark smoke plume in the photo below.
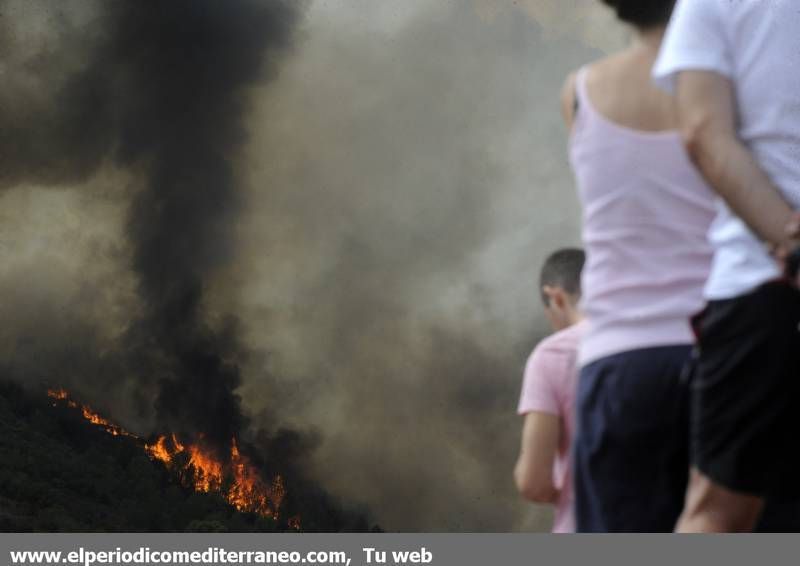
(182, 68)
(404, 178)
(163, 94)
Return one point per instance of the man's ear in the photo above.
(555, 296)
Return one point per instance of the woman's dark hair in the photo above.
(643, 13)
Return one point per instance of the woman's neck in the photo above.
(651, 38)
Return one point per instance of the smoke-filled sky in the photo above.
(403, 176)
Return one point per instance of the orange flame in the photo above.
(58, 394)
(207, 470)
(238, 481)
(88, 414)
(160, 451)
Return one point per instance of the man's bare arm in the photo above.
(534, 471)
(707, 114)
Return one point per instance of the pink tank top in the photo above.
(646, 214)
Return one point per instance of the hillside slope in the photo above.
(59, 472)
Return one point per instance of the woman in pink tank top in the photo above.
(646, 213)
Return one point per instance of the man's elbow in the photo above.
(707, 144)
(534, 488)
(696, 134)
(538, 493)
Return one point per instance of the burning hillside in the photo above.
(63, 468)
(88, 414)
(231, 475)
(162, 91)
(235, 478)
(159, 89)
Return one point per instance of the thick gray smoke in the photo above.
(414, 180)
(404, 175)
(160, 92)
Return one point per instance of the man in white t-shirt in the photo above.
(734, 67)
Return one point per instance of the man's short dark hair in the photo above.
(643, 13)
(563, 269)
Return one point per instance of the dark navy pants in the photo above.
(631, 451)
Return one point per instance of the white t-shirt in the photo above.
(756, 44)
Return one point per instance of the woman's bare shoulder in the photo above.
(568, 90)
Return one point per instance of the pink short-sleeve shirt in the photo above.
(549, 386)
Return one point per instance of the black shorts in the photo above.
(745, 394)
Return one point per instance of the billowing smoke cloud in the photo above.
(404, 175)
(68, 291)
(162, 93)
(416, 178)
(161, 96)
(54, 109)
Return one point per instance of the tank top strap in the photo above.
(583, 106)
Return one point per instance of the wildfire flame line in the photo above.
(88, 414)
(237, 480)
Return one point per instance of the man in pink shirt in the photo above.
(542, 472)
